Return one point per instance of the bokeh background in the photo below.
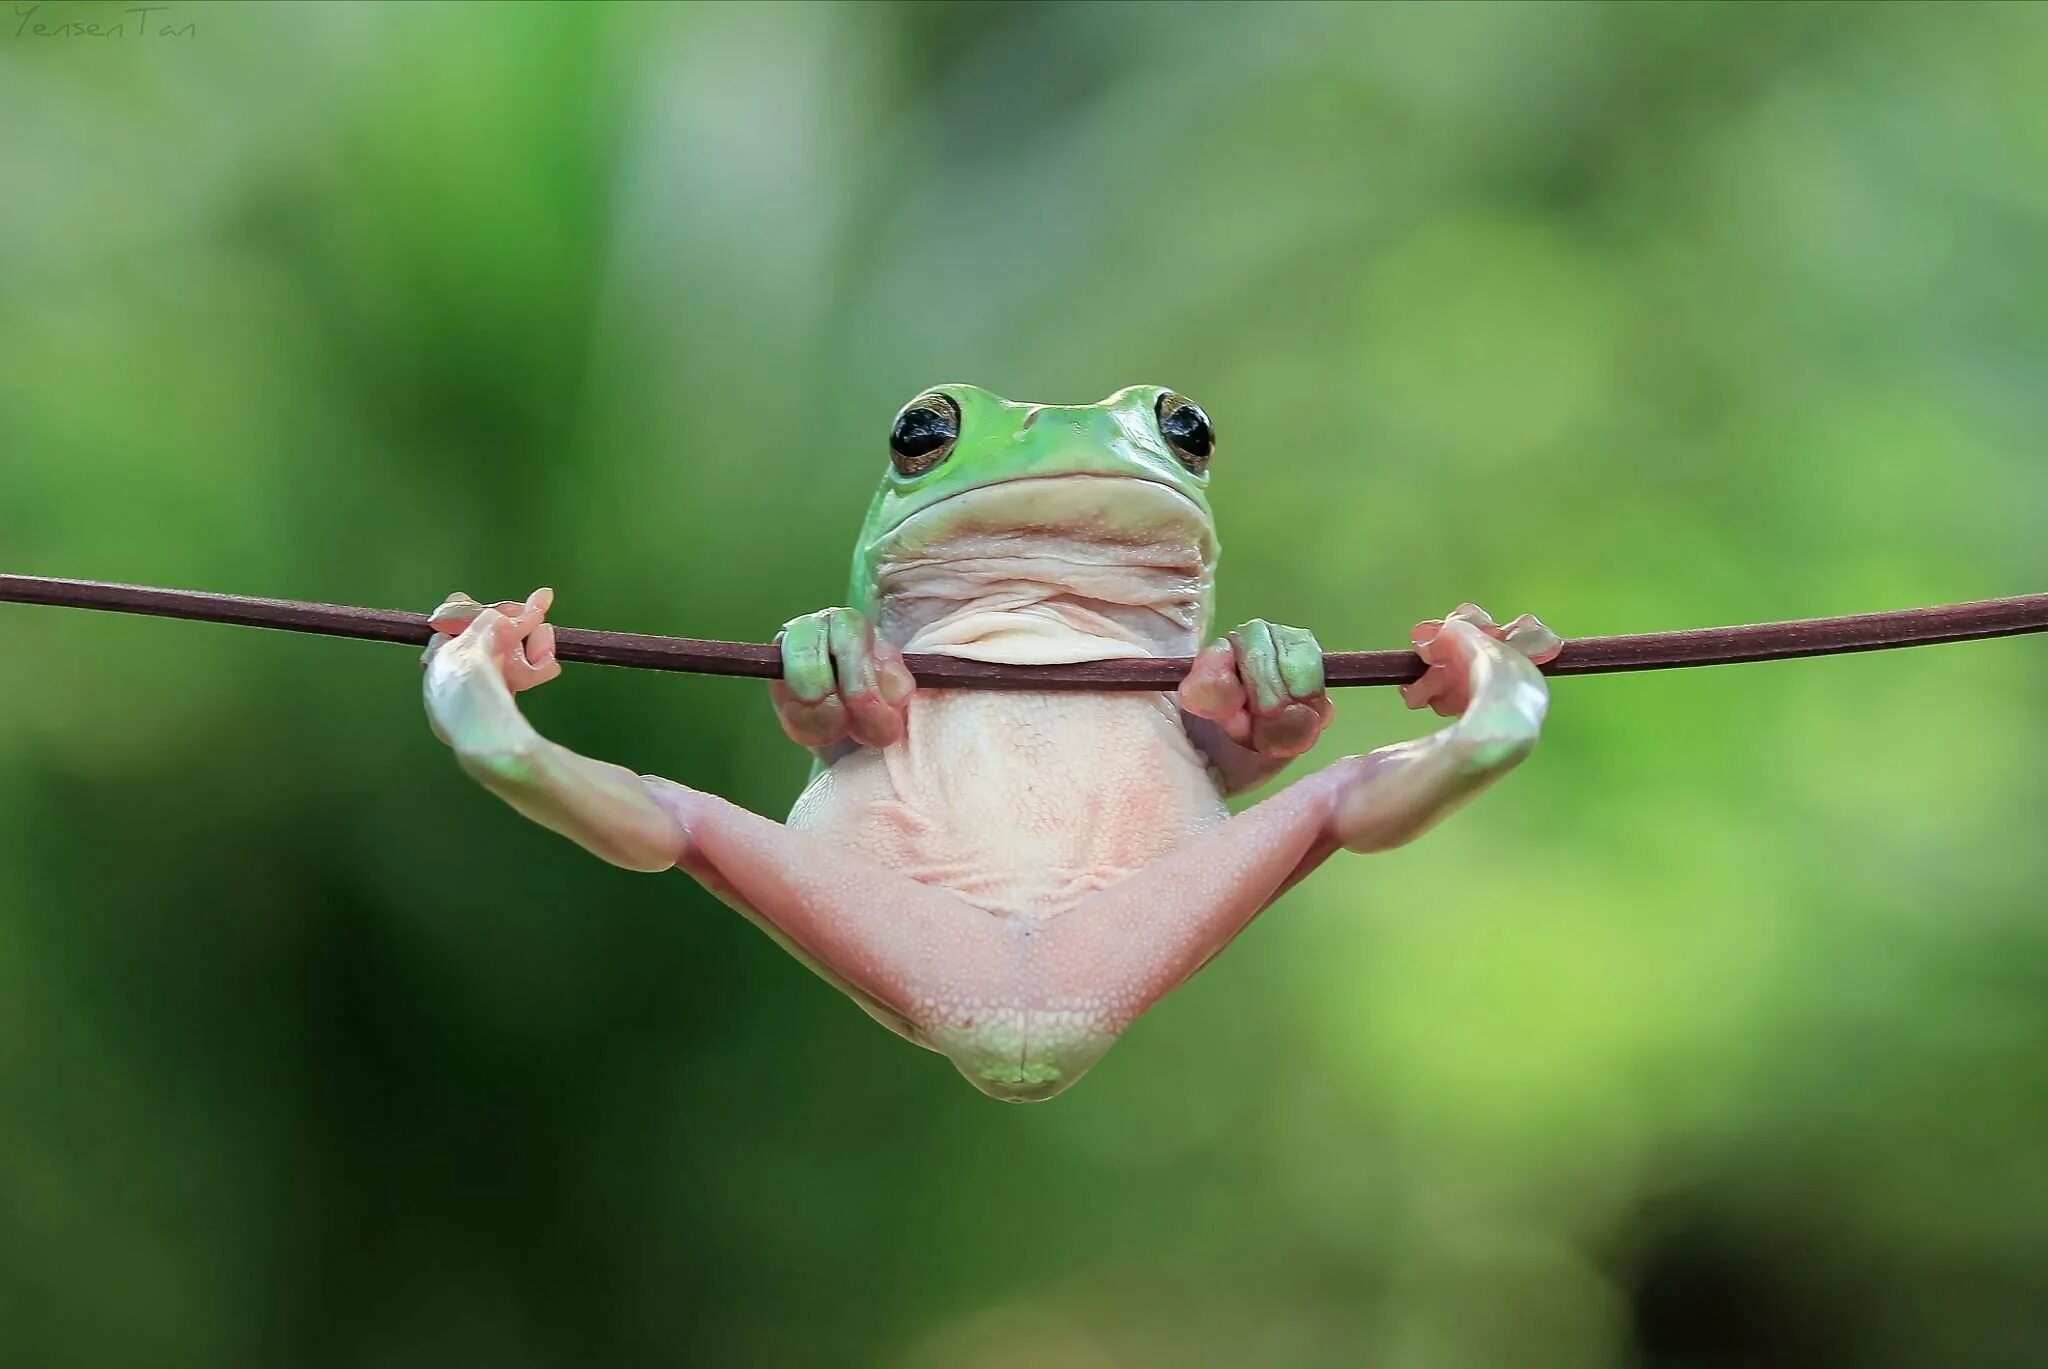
(1717, 1035)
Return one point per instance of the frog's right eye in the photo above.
(1186, 429)
(924, 434)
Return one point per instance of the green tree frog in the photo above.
(1010, 877)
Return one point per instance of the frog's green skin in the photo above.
(1012, 877)
(1002, 440)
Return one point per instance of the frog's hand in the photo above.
(1255, 700)
(841, 683)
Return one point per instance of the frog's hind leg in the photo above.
(693, 863)
(1102, 963)
(1128, 945)
(923, 961)
(1024, 1007)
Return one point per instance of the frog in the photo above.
(1011, 877)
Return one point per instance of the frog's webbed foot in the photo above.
(840, 681)
(1446, 685)
(480, 657)
(1483, 673)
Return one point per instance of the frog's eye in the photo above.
(924, 434)
(1186, 429)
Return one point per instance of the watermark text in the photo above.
(132, 23)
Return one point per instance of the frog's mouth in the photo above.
(1100, 515)
(1040, 569)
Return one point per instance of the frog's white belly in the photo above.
(1022, 803)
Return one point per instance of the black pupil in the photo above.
(922, 430)
(1188, 429)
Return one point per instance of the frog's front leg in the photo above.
(1254, 701)
(1127, 945)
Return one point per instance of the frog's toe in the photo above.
(840, 680)
(1528, 635)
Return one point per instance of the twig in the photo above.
(1581, 656)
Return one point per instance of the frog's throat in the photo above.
(1039, 570)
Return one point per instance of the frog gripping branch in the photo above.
(934, 868)
(1011, 874)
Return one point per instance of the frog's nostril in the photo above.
(1030, 417)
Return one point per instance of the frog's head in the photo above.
(1118, 487)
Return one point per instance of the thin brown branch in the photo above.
(1581, 656)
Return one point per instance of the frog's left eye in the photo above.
(924, 434)
(1186, 429)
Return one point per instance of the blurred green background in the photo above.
(1717, 1035)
